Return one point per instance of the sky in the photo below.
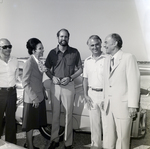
(21, 20)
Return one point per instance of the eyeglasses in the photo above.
(6, 46)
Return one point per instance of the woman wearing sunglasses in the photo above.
(34, 113)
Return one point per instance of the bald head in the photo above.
(118, 39)
(5, 47)
(4, 41)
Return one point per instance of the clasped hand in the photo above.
(63, 81)
(35, 105)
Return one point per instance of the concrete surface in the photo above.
(82, 140)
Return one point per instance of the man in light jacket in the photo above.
(122, 90)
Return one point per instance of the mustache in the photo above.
(63, 40)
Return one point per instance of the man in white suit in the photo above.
(122, 90)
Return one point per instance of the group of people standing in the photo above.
(111, 84)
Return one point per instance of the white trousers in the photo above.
(119, 131)
(65, 95)
(97, 121)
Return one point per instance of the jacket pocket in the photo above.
(124, 98)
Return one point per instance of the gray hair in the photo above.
(94, 37)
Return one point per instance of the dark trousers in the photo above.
(8, 106)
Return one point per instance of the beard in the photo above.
(63, 43)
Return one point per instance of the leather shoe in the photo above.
(54, 145)
(68, 147)
(35, 147)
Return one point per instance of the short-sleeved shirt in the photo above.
(8, 72)
(93, 70)
(63, 64)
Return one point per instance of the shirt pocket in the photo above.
(70, 61)
(70, 65)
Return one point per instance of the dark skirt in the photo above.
(34, 118)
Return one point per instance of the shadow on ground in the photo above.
(81, 140)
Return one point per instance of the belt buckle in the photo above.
(97, 89)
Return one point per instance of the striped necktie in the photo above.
(111, 64)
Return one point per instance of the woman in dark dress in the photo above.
(34, 113)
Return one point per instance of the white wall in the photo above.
(23, 19)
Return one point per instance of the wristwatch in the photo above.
(70, 79)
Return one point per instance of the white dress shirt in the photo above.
(93, 70)
(9, 72)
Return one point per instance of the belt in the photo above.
(8, 88)
(97, 89)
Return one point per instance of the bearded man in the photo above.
(61, 63)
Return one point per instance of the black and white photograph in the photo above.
(75, 74)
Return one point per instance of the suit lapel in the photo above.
(35, 64)
(106, 81)
(117, 62)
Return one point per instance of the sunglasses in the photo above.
(6, 47)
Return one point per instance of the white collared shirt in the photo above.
(93, 70)
(9, 72)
